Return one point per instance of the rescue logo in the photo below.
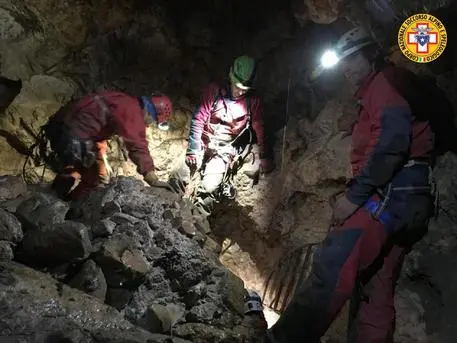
(422, 38)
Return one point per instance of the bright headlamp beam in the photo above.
(329, 59)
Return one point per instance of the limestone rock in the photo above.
(149, 264)
(162, 319)
(40, 97)
(103, 228)
(320, 12)
(201, 333)
(55, 245)
(41, 211)
(10, 28)
(6, 251)
(10, 228)
(11, 187)
(121, 262)
(12, 159)
(410, 325)
(37, 307)
(90, 279)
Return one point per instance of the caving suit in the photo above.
(390, 161)
(215, 124)
(78, 134)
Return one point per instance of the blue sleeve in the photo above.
(391, 132)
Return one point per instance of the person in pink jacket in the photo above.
(225, 113)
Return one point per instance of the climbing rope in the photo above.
(283, 151)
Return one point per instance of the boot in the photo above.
(204, 203)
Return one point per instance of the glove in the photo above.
(107, 173)
(266, 166)
(193, 161)
(152, 180)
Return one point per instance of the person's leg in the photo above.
(103, 174)
(316, 303)
(64, 181)
(374, 320)
(373, 315)
(89, 180)
(213, 175)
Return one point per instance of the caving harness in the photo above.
(378, 208)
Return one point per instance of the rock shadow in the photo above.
(250, 254)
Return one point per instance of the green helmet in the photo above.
(242, 71)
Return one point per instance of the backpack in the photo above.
(429, 103)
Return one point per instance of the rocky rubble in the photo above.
(121, 246)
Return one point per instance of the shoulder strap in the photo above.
(216, 98)
(213, 106)
(249, 113)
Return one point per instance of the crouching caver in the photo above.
(384, 210)
(79, 130)
(225, 115)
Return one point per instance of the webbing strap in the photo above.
(248, 107)
(372, 206)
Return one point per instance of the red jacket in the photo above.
(86, 120)
(384, 137)
(228, 118)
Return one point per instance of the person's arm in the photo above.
(257, 125)
(391, 126)
(130, 125)
(199, 120)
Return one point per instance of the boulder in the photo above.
(55, 245)
(11, 187)
(103, 228)
(36, 308)
(90, 279)
(122, 263)
(10, 227)
(40, 97)
(6, 251)
(159, 277)
(41, 211)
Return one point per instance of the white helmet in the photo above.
(252, 302)
(353, 41)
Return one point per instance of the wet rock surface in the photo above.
(120, 248)
(11, 187)
(91, 280)
(36, 308)
(55, 245)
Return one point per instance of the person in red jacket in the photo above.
(384, 210)
(79, 130)
(226, 112)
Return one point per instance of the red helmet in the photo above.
(163, 106)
